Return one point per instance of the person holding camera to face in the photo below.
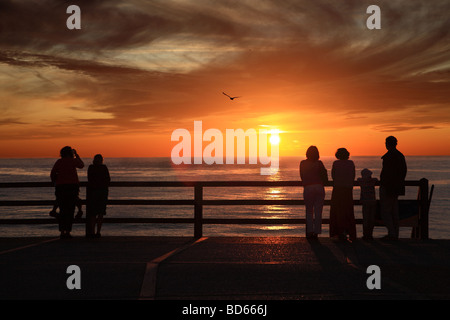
(65, 177)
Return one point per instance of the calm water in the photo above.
(435, 169)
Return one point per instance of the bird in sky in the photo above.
(231, 98)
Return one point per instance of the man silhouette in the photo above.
(392, 184)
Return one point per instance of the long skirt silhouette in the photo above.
(342, 216)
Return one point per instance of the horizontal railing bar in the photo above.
(106, 220)
(174, 221)
(31, 203)
(236, 202)
(26, 203)
(274, 221)
(185, 184)
(161, 202)
(253, 202)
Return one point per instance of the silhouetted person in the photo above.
(96, 195)
(342, 217)
(65, 177)
(392, 184)
(313, 175)
(368, 202)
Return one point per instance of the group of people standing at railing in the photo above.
(342, 219)
(67, 187)
(313, 175)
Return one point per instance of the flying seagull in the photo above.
(231, 98)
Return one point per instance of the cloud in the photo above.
(141, 64)
(396, 128)
(8, 121)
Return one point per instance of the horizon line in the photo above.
(168, 157)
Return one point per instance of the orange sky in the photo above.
(136, 72)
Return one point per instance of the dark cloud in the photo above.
(105, 25)
(396, 128)
(7, 121)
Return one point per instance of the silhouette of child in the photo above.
(54, 213)
(368, 201)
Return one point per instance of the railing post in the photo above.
(198, 211)
(424, 207)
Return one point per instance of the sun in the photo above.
(274, 137)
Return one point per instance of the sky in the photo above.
(138, 70)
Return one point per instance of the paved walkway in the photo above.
(223, 268)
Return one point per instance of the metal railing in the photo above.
(198, 202)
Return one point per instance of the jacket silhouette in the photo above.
(393, 173)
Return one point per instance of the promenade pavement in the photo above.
(222, 268)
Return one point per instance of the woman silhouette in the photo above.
(313, 175)
(342, 218)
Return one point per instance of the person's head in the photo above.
(66, 152)
(342, 154)
(391, 142)
(366, 173)
(312, 153)
(98, 159)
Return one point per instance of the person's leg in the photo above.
(63, 197)
(90, 224)
(371, 219)
(334, 208)
(99, 224)
(90, 213)
(366, 221)
(368, 210)
(53, 212)
(395, 216)
(59, 201)
(387, 207)
(350, 214)
(308, 196)
(66, 202)
(318, 208)
(72, 194)
(80, 208)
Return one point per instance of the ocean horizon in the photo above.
(433, 168)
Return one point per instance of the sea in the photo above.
(434, 168)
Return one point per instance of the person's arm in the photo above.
(353, 171)
(108, 177)
(404, 168)
(324, 172)
(301, 170)
(78, 162)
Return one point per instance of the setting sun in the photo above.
(274, 138)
